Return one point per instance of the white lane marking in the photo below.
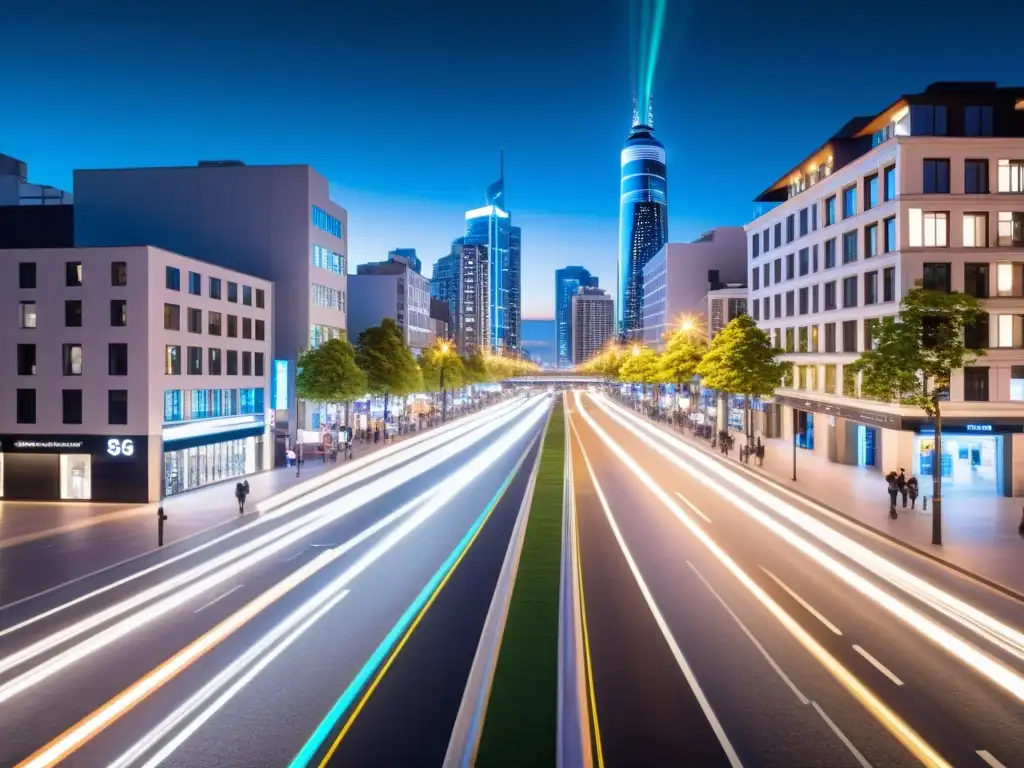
(677, 652)
(842, 736)
(295, 555)
(693, 508)
(985, 755)
(877, 664)
(748, 633)
(218, 599)
(810, 608)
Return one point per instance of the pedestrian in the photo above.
(912, 490)
(901, 484)
(376, 434)
(240, 492)
(893, 487)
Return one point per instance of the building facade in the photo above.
(723, 305)
(472, 321)
(409, 254)
(16, 189)
(930, 189)
(677, 279)
(515, 289)
(491, 228)
(643, 220)
(391, 289)
(593, 322)
(568, 281)
(134, 373)
(444, 281)
(275, 222)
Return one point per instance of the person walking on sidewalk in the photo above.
(241, 491)
(901, 484)
(894, 489)
(912, 490)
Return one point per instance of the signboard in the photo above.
(96, 445)
(280, 390)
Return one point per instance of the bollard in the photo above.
(924, 503)
(160, 517)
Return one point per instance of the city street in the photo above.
(731, 623)
(274, 642)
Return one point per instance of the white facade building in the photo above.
(593, 322)
(723, 305)
(391, 289)
(931, 189)
(132, 373)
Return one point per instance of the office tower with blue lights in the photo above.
(568, 281)
(643, 219)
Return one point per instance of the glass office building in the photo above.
(568, 281)
(491, 226)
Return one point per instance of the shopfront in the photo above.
(203, 453)
(974, 456)
(867, 446)
(98, 468)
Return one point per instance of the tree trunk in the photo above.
(937, 479)
(346, 413)
(385, 411)
(746, 419)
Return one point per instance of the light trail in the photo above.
(881, 712)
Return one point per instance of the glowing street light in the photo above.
(636, 350)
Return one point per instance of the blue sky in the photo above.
(404, 106)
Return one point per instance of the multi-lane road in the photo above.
(730, 622)
(318, 633)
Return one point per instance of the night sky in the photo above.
(404, 106)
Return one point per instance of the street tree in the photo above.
(684, 351)
(390, 368)
(475, 368)
(742, 360)
(912, 358)
(640, 366)
(329, 374)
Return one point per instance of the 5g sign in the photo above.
(116, 447)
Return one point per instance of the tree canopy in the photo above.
(640, 366)
(606, 363)
(431, 362)
(387, 362)
(329, 374)
(742, 360)
(683, 353)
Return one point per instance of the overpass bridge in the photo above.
(562, 379)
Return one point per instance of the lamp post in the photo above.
(444, 392)
(687, 328)
(795, 431)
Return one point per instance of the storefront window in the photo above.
(970, 463)
(75, 476)
(195, 467)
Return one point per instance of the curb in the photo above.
(765, 478)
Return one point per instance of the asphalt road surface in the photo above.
(728, 622)
(258, 646)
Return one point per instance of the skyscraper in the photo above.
(472, 323)
(568, 281)
(593, 322)
(515, 281)
(444, 284)
(643, 218)
(409, 254)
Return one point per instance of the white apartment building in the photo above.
(593, 322)
(131, 373)
(723, 305)
(930, 189)
(392, 289)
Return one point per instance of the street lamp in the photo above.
(444, 392)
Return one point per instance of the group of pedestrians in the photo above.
(899, 485)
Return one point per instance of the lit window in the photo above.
(975, 230)
(1004, 278)
(1005, 326)
(1011, 175)
(927, 229)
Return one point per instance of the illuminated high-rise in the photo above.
(643, 219)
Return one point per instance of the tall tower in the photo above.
(643, 218)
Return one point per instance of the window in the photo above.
(805, 265)
(870, 241)
(850, 201)
(195, 320)
(830, 211)
(117, 359)
(213, 323)
(849, 291)
(830, 295)
(928, 229)
(830, 337)
(1017, 382)
(790, 228)
(814, 299)
(117, 406)
(976, 384)
(890, 234)
(778, 271)
(27, 274)
(936, 177)
(830, 379)
(324, 221)
(789, 266)
(767, 275)
(850, 336)
(118, 274)
(72, 274)
(926, 120)
(814, 259)
(778, 304)
(936, 276)
(213, 361)
(976, 334)
(803, 301)
(778, 234)
(261, 299)
(849, 247)
(870, 191)
(889, 183)
(976, 177)
(765, 241)
(172, 317)
(172, 278)
(870, 287)
(232, 362)
(755, 276)
(258, 363)
(1004, 278)
(246, 328)
(247, 295)
(195, 361)
(755, 246)
(976, 280)
(975, 230)
(260, 332)
(73, 313)
(790, 345)
(1004, 330)
(118, 313)
(247, 363)
(1011, 229)
(767, 307)
(1011, 175)
(889, 284)
(978, 121)
(27, 314)
(232, 326)
(830, 253)
(803, 222)
(172, 360)
(814, 217)
(789, 304)
(232, 292)
(72, 406)
(26, 406)
(195, 283)
(757, 309)
(26, 359)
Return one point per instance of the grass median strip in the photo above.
(520, 724)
